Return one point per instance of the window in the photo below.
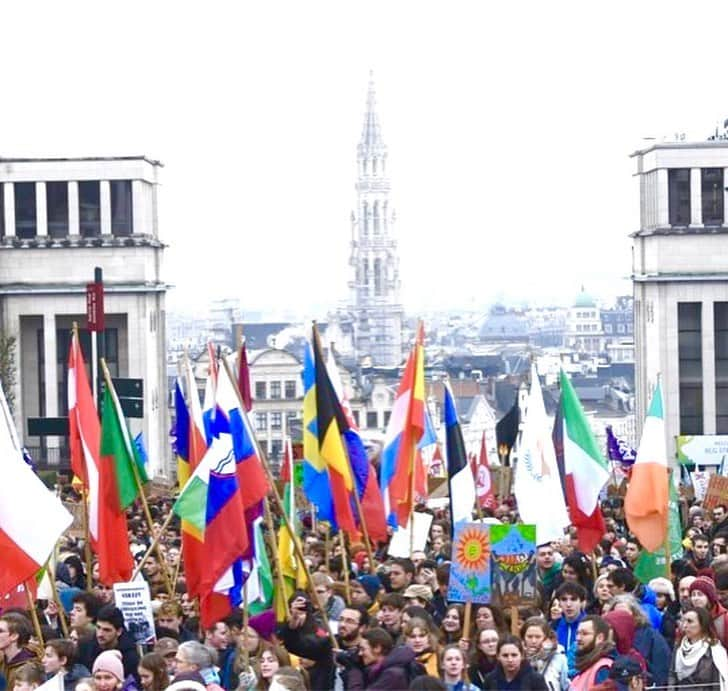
(260, 393)
(620, 328)
(275, 389)
(355, 413)
(690, 367)
(89, 209)
(376, 213)
(711, 183)
(121, 208)
(291, 417)
(276, 446)
(63, 343)
(377, 276)
(387, 415)
(276, 421)
(290, 388)
(57, 209)
(2, 210)
(261, 422)
(26, 225)
(720, 322)
(372, 419)
(607, 328)
(678, 180)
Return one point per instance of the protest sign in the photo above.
(136, 605)
(513, 564)
(716, 492)
(470, 566)
(399, 546)
(700, 480)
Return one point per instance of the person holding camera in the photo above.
(304, 635)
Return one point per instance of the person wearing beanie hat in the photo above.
(364, 592)
(108, 671)
(703, 594)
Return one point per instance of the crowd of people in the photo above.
(386, 623)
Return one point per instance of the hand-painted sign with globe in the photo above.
(513, 564)
(470, 566)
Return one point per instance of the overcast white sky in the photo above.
(509, 127)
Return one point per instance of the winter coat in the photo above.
(72, 676)
(654, 649)
(8, 668)
(89, 651)
(478, 672)
(395, 671)
(525, 679)
(314, 644)
(566, 631)
(705, 677)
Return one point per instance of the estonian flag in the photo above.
(459, 475)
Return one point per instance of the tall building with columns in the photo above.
(680, 279)
(59, 219)
(375, 302)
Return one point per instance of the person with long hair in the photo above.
(270, 659)
(601, 593)
(543, 653)
(699, 661)
(423, 641)
(452, 663)
(153, 673)
(483, 659)
(488, 617)
(513, 672)
(452, 624)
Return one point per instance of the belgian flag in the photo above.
(332, 424)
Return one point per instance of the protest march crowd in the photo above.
(226, 584)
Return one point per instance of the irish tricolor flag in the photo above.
(645, 504)
(32, 518)
(585, 469)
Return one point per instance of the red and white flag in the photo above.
(483, 484)
(32, 518)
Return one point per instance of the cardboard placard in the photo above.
(135, 603)
(513, 564)
(700, 479)
(470, 566)
(399, 546)
(717, 492)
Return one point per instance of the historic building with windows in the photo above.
(680, 279)
(375, 300)
(59, 219)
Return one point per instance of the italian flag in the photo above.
(585, 469)
(645, 504)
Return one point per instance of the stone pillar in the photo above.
(73, 221)
(708, 354)
(663, 206)
(9, 201)
(105, 201)
(696, 198)
(725, 196)
(51, 375)
(41, 209)
(137, 206)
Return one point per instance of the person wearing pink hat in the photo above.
(703, 594)
(108, 671)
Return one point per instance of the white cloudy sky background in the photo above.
(509, 127)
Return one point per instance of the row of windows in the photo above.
(275, 418)
(621, 328)
(587, 327)
(57, 209)
(263, 391)
(690, 372)
(679, 202)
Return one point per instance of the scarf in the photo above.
(585, 660)
(688, 655)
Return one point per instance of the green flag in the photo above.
(654, 564)
(265, 575)
(117, 445)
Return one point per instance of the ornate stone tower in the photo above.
(375, 286)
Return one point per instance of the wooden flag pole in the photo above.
(138, 480)
(279, 504)
(34, 615)
(345, 567)
(175, 575)
(154, 546)
(246, 619)
(50, 572)
(327, 547)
